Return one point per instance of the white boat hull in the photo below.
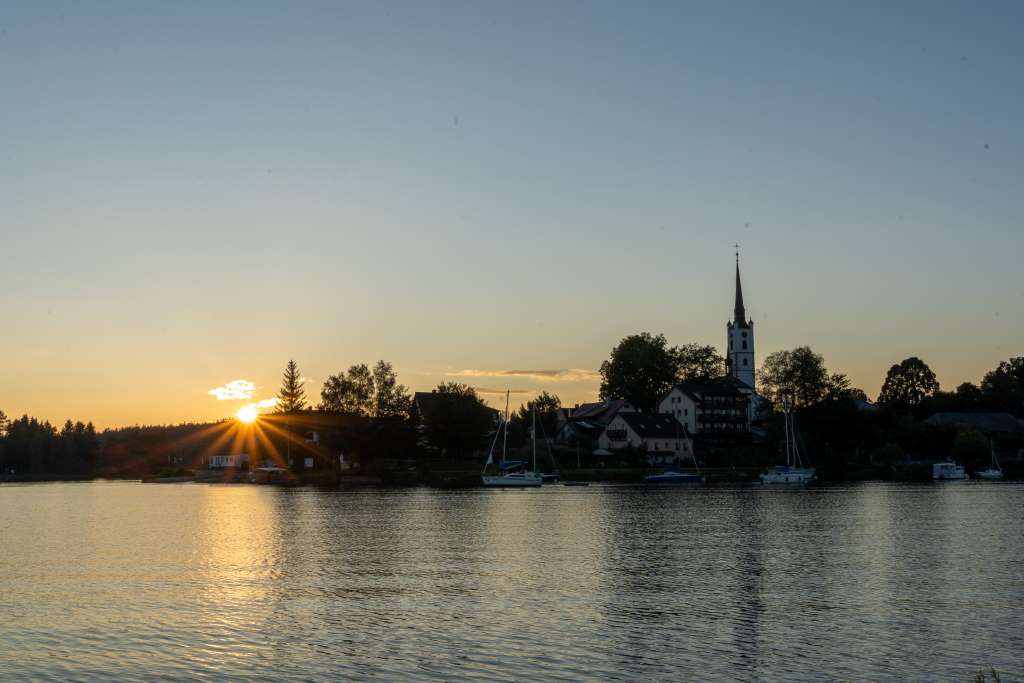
(518, 480)
(992, 474)
(948, 471)
(793, 476)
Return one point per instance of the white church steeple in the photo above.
(739, 358)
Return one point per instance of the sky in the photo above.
(193, 193)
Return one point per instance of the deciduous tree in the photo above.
(698, 362)
(457, 420)
(797, 377)
(908, 383)
(641, 370)
(349, 392)
(547, 406)
(390, 399)
(1003, 388)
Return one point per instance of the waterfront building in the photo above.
(663, 437)
(586, 421)
(721, 406)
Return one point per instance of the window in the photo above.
(744, 344)
(744, 335)
(744, 361)
(686, 411)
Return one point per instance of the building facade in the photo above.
(722, 406)
(663, 437)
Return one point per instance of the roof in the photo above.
(719, 386)
(986, 423)
(599, 413)
(655, 426)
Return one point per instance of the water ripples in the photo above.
(876, 582)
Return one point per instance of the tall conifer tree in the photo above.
(292, 396)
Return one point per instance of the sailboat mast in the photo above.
(534, 438)
(504, 442)
(785, 416)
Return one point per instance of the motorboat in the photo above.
(784, 474)
(948, 471)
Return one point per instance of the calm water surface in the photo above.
(872, 582)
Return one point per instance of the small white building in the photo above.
(663, 436)
(229, 462)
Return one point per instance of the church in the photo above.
(739, 358)
(724, 406)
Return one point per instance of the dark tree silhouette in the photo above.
(798, 377)
(349, 392)
(641, 370)
(1003, 388)
(391, 399)
(456, 419)
(547, 406)
(367, 393)
(908, 383)
(697, 362)
(292, 397)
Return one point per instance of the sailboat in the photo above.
(511, 473)
(793, 472)
(993, 472)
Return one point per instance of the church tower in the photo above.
(739, 359)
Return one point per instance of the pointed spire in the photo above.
(739, 312)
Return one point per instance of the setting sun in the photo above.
(248, 414)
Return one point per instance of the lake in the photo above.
(880, 582)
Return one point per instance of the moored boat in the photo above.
(948, 471)
(994, 472)
(793, 472)
(511, 474)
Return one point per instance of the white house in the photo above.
(663, 436)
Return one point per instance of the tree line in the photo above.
(642, 368)
(28, 445)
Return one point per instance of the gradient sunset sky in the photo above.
(193, 193)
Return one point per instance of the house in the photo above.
(663, 437)
(229, 462)
(721, 406)
(585, 422)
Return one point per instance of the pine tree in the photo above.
(292, 396)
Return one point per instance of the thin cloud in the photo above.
(569, 375)
(268, 402)
(235, 390)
